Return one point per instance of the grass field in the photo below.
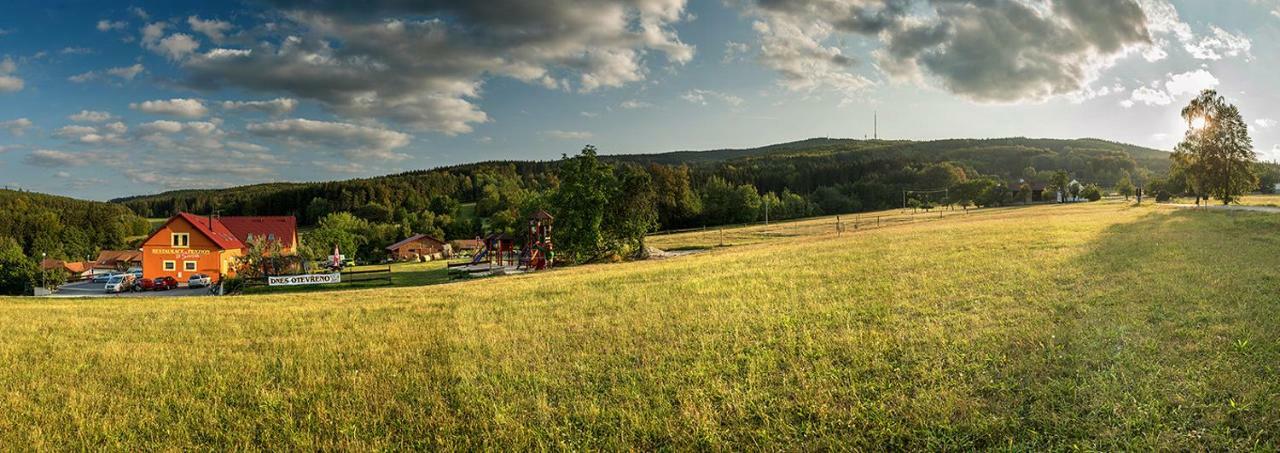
(1089, 326)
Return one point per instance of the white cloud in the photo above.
(567, 135)
(1219, 44)
(109, 133)
(8, 81)
(108, 25)
(75, 51)
(1265, 123)
(633, 104)
(16, 127)
(277, 106)
(185, 108)
(215, 29)
(50, 158)
(90, 116)
(1174, 86)
(589, 114)
(176, 46)
(343, 139)
(701, 97)
(123, 72)
(734, 51)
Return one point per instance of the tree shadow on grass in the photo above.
(1166, 337)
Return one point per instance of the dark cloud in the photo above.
(423, 63)
(985, 50)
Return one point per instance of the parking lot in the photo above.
(90, 289)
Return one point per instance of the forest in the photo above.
(690, 190)
(66, 228)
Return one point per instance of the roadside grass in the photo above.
(1272, 200)
(1095, 326)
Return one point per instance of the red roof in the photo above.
(275, 228)
(213, 228)
(110, 258)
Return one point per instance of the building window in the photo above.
(189, 265)
(181, 239)
(170, 265)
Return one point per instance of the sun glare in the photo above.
(1197, 123)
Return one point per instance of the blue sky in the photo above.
(102, 99)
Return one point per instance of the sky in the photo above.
(103, 99)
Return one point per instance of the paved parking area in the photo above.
(90, 289)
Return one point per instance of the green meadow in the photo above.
(1087, 326)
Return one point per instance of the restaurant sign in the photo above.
(307, 279)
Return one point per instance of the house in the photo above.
(466, 245)
(1037, 191)
(189, 244)
(75, 269)
(419, 245)
(117, 260)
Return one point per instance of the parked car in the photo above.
(164, 283)
(119, 283)
(136, 274)
(104, 277)
(143, 284)
(199, 281)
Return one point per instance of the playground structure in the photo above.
(498, 252)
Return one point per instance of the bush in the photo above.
(1091, 192)
(1163, 196)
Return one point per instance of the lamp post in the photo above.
(43, 280)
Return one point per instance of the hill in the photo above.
(1040, 328)
(869, 173)
(66, 228)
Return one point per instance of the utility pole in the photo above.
(875, 125)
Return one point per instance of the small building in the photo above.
(189, 244)
(117, 260)
(466, 245)
(75, 270)
(419, 245)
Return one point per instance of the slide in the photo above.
(484, 251)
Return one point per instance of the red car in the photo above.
(164, 283)
(156, 284)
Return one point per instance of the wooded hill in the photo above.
(867, 174)
(66, 228)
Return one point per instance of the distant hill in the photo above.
(63, 227)
(870, 169)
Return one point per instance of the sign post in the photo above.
(308, 279)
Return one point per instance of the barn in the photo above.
(418, 245)
(189, 244)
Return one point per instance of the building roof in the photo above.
(411, 239)
(466, 243)
(74, 267)
(111, 257)
(541, 215)
(211, 227)
(275, 228)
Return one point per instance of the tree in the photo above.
(17, 273)
(723, 203)
(1216, 152)
(678, 203)
(1075, 188)
(1059, 182)
(633, 211)
(1091, 192)
(580, 204)
(1125, 186)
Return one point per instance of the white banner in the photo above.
(309, 279)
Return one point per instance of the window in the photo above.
(189, 265)
(181, 239)
(170, 265)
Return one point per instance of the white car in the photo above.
(199, 281)
(119, 283)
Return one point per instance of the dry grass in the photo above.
(1096, 326)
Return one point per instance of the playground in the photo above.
(504, 254)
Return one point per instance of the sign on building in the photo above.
(308, 279)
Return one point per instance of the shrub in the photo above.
(1091, 192)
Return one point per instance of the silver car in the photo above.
(199, 281)
(119, 283)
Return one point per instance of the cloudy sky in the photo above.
(99, 100)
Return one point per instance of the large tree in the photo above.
(580, 203)
(1216, 152)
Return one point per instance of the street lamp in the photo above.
(43, 279)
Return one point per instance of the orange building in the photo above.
(190, 244)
